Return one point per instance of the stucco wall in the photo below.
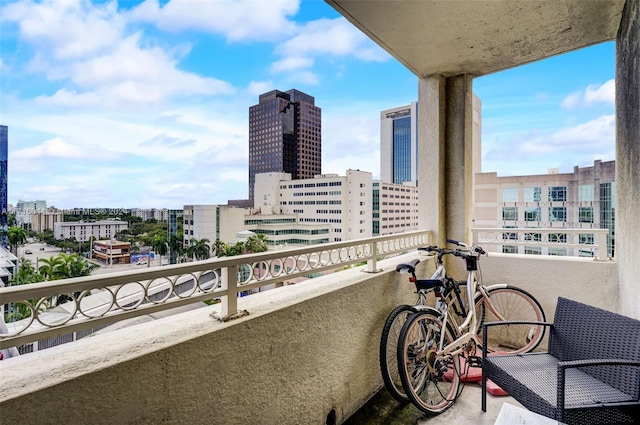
(549, 277)
(303, 351)
(628, 158)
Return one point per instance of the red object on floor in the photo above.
(493, 389)
(474, 373)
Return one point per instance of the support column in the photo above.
(445, 156)
(627, 238)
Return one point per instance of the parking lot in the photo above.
(36, 251)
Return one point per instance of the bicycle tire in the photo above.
(513, 304)
(424, 376)
(389, 350)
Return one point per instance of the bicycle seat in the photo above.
(408, 267)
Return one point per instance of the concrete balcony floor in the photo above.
(382, 409)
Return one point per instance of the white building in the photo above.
(344, 202)
(24, 209)
(395, 208)
(212, 222)
(83, 231)
(287, 230)
(159, 214)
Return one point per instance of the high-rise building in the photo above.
(399, 142)
(285, 136)
(4, 148)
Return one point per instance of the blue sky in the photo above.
(145, 103)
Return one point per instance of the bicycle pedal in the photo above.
(474, 361)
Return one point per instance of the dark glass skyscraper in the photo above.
(4, 148)
(285, 135)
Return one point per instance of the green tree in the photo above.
(17, 236)
(26, 274)
(49, 268)
(256, 243)
(160, 245)
(175, 247)
(219, 248)
(199, 249)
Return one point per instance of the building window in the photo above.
(585, 193)
(558, 251)
(532, 194)
(509, 249)
(537, 237)
(509, 213)
(535, 250)
(558, 214)
(558, 193)
(558, 237)
(510, 194)
(586, 215)
(532, 214)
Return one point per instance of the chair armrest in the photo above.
(570, 364)
(487, 325)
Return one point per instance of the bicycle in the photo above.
(432, 341)
(398, 316)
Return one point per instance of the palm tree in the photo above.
(17, 236)
(160, 245)
(49, 268)
(256, 243)
(175, 247)
(199, 249)
(219, 248)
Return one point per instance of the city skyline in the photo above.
(153, 110)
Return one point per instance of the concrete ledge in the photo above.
(303, 352)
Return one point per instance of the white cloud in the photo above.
(55, 148)
(69, 28)
(257, 88)
(236, 20)
(332, 37)
(577, 145)
(593, 94)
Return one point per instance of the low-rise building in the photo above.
(46, 220)
(83, 231)
(111, 251)
(212, 222)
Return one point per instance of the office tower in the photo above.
(284, 136)
(4, 148)
(399, 142)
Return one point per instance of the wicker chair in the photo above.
(590, 374)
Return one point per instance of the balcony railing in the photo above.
(98, 301)
(585, 242)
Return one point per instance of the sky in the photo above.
(144, 103)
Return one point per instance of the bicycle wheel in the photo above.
(389, 350)
(512, 304)
(430, 382)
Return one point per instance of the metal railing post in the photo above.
(372, 265)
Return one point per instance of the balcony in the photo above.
(305, 353)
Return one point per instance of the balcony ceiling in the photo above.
(451, 37)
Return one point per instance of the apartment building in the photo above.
(344, 202)
(211, 222)
(83, 231)
(24, 210)
(46, 220)
(583, 199)
(160, 214)
(395, 208)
